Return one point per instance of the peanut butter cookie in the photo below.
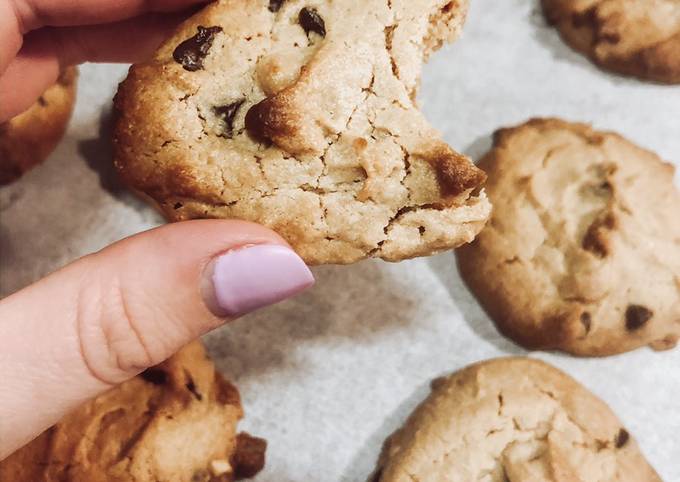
(300, 115)
(27, 139)
(582, 252)
(632, 37)
(512, 420)
(175, 422)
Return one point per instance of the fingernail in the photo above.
(252, 277)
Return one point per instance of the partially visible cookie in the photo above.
(301, 116)
(512, 420)
(175, 422)
(27, 139)
(582, 252)
(632, 37)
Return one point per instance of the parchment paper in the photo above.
(327, 376)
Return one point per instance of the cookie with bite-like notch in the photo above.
(301, 116)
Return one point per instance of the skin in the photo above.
(106, 317)
(39, 37)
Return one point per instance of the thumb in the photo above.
(110, 315)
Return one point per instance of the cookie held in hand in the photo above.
(517, 420)
(301, 116)
(582, 252)
(29, 138)
(174, 422)
(640, 38)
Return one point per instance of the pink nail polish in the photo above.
(252, 277)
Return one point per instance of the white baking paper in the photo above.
(327, 376)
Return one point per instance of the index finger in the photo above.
(33, 14)
(18, 17)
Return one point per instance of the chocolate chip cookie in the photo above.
(27, 139)
(512, 420)
(582, 252)
(633, 37)
(301, 115)
(175, 422)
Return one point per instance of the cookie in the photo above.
(582, 252)
(512, 420)
(175, 422)
(640, 38)
(27, 139)
(301, 116)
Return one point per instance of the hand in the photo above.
(106, 317)
(38, 38)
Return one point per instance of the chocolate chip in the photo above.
(275, 5)
(226, 114)
(621, 438)
(256, 122)
(595, 244)
(249, 456)
(311, 21)
(155, 376)
(191, 386)
(42, 101)
(586, 321)
(192, 51)
(596, 239)
(637, 316)
(267, 121)
(226, 393)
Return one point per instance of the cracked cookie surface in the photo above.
(632, 37)
(174, 422)
(512, 420)
(29, 138)
(582, 252)
(301, 115)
